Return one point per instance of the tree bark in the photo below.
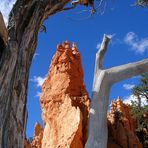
(103, 80)
(25, 21)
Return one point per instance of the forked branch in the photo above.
(100, 54)
(103, 81)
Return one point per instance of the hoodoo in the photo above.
(121, 127)
(64, 101)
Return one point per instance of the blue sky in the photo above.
(127, 23)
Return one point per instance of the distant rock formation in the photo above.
(27, 144)
(36, 142)
(121, 127)
(3, 29)
(3, 34)
(37, 137)
(64, 101)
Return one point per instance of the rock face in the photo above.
(64, 101)
(36, 142)
(27, 144)
(121, 127)
(37, 137)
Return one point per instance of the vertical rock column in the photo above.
(64, 101)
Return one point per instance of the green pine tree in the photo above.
(142, 3)
(141, 90)
(140, 111)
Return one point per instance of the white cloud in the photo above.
(98, 46)
(92, 111)
(38, 94)
(38, 80)
(136, 44)
(128, 86)
(5, 8)
(128, 99)
(35, 55)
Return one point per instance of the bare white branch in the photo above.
(122, 72)
(100, 54)
(103, 80)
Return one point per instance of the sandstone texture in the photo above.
(37, 137)
(36, 142)
(27, 144)
(64, 101)
(121, 127)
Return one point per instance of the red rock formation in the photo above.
(64, 101)
(27, 144)
(121, 127)
(37, 137)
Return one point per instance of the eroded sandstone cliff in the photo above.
(37, 137)
(121, 127)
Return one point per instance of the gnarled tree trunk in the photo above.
(103, 80)
(25, 21)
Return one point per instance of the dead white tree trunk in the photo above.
(103, 80)
(16, 55)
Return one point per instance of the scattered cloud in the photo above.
(5, 8)
(38, 80)
(128, 86)
(92, 111)
(35, 55)
(116, 41)
(128, 99)
(135, 43)
(38, 94)
(98, 46)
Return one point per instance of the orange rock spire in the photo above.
(64, 101)
(37, 137)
